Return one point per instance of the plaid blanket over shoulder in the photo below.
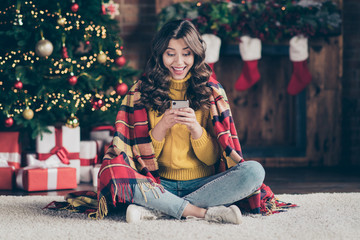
(131, 161)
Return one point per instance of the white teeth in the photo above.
(178, 68)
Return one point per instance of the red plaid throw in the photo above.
(130, 160)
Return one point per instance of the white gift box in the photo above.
(10, 149)
(63, 141)
(52, 162)
(103, 135)
(88, 158)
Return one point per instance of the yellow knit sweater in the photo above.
(179, 156)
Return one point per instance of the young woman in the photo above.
(163, 160)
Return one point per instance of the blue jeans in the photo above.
(224, 188)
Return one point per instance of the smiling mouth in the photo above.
(179, 68)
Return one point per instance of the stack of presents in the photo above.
(61, 159)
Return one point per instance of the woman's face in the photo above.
(178, 58)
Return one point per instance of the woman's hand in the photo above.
(187, 117)
(166, 122)
(184, 116)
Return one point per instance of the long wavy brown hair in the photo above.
(155, 82)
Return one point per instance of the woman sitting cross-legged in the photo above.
(164, 160)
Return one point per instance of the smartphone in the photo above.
(179, 104)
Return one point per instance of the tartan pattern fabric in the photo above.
(79, 202)
(130, 160)
(117, 180)
(132, 131)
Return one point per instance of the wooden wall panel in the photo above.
(268, 119)
(324, 104)
(261, 112)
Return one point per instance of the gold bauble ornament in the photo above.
(28, 114)
(101, 58)
(61, 21)
(72, 122)
(44, 48)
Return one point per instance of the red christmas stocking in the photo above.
(249, 75)
(212, 53)
(250, 51)
(300, 78)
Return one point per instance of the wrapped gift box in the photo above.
(102, 135)
(44, 179)
(32, 162)
(95, 172)
(6, 178)
(88, 158)
(64, 142)
(10, 149)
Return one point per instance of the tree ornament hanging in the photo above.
(18, 16)
(18, 84)
(120, 61)
(72, 121)
(18, 19)
(100, 103)
(112, 9)
(9, 122)
(121, 89)
(74, 6)
(97, 103)
(28, 113)
(44, 48)
(101, 58)
(61, 21)
(103, 8)
(72, 79)
(64, 52)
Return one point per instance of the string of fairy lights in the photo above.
(60, 67)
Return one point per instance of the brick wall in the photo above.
(137, 21)
(351, 83)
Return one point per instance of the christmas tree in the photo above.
(61, 62)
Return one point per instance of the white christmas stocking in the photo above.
(212, 53)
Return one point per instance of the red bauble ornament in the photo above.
(97, 103)
(74, 7)
(121, 89)
(64, 52)
(120, 61)
(72, 80)
(94, 104)
(100, 103)
(9, 122)
(18, 85)
(103, 9)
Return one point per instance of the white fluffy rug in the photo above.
(320, 216)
